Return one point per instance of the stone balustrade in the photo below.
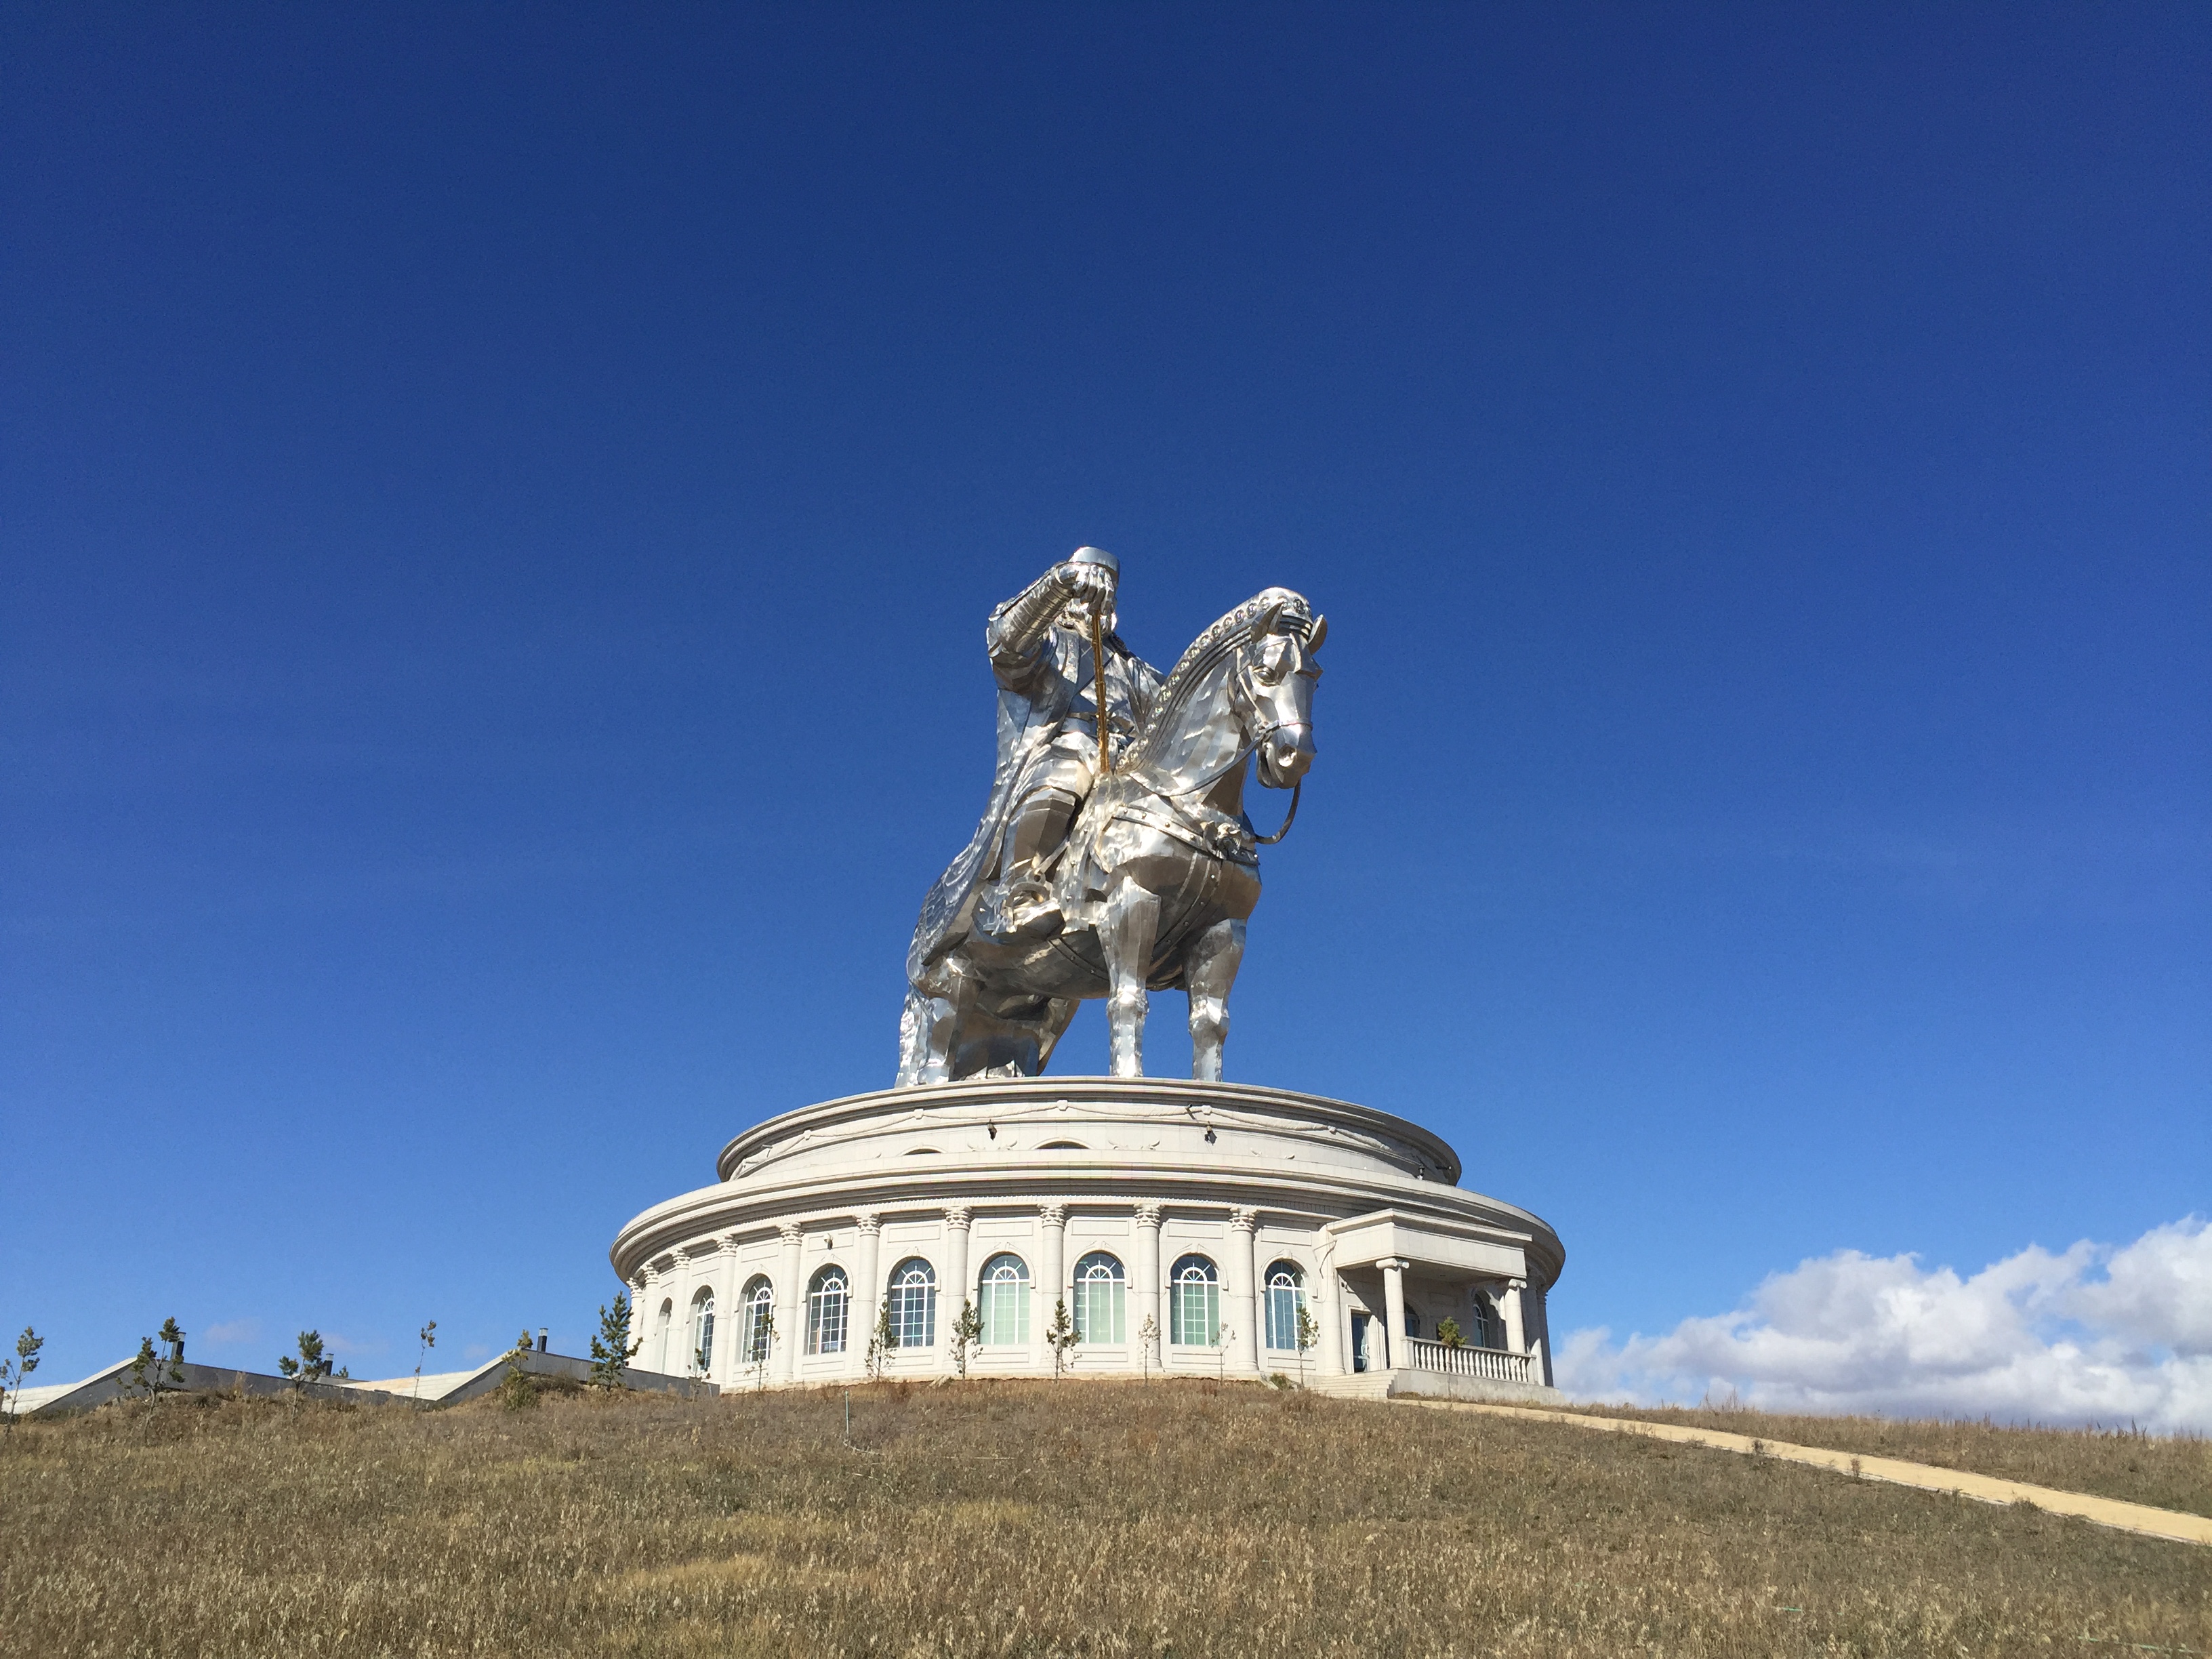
(1492, 1365)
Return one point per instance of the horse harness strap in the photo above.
(1289, 817)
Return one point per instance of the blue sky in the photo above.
(497, 511)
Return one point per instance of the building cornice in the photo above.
(1011, 1102)
(1320, 1197)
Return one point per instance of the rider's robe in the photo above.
(1048, 709)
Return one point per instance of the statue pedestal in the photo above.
(1185, 1227)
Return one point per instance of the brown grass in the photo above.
(1016, 1519)
(2173, 1472)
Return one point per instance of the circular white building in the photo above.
(1208, 1229)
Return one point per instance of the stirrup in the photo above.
(1019, 907)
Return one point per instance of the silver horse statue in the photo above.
(1155, 879)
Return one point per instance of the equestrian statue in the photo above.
(1108, 869)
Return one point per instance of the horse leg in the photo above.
(1209, 971)
(1126, 933)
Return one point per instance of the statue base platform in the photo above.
(1100, 1226)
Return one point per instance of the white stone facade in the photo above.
(1183, 1226)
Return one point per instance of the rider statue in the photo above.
(1039, 645)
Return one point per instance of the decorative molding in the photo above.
(957, 1217)
(790, 1232)
(1052, 1215)
(1243, 1220)
(1148, 1215)
(1007, 1102)
(1394, 1264)
(870, 1224)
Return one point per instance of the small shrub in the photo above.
(312, 1365)
(882, 1340)
(16, 1372)
(612, 1349)
(966, 1335)
(517, 1390)
(1060, 1338)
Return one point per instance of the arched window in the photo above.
(1002, 1295)
(1489, 1324)
(758, 1307)
(1286, 1296)
(1063, 1146)
(702, 1356)
(827, 1299)
(661, 1321)
(1193, 1304)
(1102, 1299)
(913, 1304)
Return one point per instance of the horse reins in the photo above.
(1106, 754)
(1259, 735)
(1289, 819)
(1098, 675)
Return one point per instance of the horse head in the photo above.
(1271, 688)
(1246, 683)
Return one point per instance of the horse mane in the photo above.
(1206, 651)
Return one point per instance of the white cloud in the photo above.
(2157, 1292)
(2090, 1335)
(232, 1330)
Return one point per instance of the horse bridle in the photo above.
(1259, 736)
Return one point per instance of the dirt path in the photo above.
(2105, 1511)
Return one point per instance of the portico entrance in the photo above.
(1428, 1300)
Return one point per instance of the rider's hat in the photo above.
(1098, 556)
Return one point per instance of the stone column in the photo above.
(1515, 1336)
(1534, 1317)
(652, 1290)
(702, 1268)
(640, 1327)
(867, 1293)
(690, 1270)
(790, 1303)
(1051, 1281)
(1346, 1334)
(1245, 1291)
(1395, 1355)
(727, 1325)
(955, 1292)
(1146, 1287)
(1328, 1313)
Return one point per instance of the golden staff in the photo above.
(1098, 674)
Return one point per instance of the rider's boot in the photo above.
(1026, 907)
(1021, 906)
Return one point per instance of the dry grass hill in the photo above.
(1085, 1518)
